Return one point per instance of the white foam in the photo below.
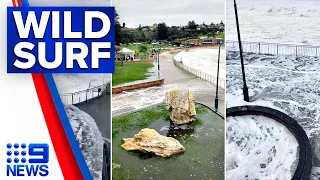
(286, 21)
(286, 87)
(204, 60)
(262, 144)
(89, 138)
(70, 83)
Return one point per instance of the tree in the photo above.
(163, 32)
(143, 48)
(118, 29)
(192, 25)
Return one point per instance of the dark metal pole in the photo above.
(245, 88)
(106, 162)
(217, 85)
(159, 61)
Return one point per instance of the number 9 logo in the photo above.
(41, 150)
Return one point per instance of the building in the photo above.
(154, 26)
(127, 29)
(211, 41)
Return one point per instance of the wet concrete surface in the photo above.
(205, 92)
(174, 75)
(99, 109)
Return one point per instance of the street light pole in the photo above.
(245, 88)
(217, 84)
(159, 61)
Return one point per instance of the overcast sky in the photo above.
(172, 12)
(70, 2)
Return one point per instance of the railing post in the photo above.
(259, 48)
(296, 51)
(87, 95)
(99, 90)
(72, 98)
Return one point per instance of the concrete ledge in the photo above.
(152, 83)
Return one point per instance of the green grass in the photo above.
(144, 118)
(149, 46)
(220, 35)
(138, 120)
(130, 72)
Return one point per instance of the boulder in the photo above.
(149, 140)
(181, 106)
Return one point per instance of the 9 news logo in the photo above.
(27, 160)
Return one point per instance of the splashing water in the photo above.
(286, 83)
(286, 21)
(89, 138)
(204, 60)
(262, 144)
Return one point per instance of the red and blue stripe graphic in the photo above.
(70, 158)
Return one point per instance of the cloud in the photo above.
(178, 12)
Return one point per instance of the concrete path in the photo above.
(174, 78)
(99, 109)
(174, 75)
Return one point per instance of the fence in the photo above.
(85, 95)
(274, 49)
(200, 74)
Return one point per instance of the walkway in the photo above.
(174, 78)
(99, 109)
(174, 75)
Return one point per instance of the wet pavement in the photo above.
(99, 109)
(174, 78)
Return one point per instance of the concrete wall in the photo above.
(117, 90)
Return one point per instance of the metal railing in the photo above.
(85, 95)
(202, 75)
(106, 162)
(274, 48)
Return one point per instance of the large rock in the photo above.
(149, 140)
(181, 106)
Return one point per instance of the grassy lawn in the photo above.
(145, 117)
(130, 72)
(149, 47)
(220, 35)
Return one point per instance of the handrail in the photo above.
(85, 95)
(275, 48)
(202, 75)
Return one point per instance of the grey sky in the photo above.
(172, 12)
(70, 2)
